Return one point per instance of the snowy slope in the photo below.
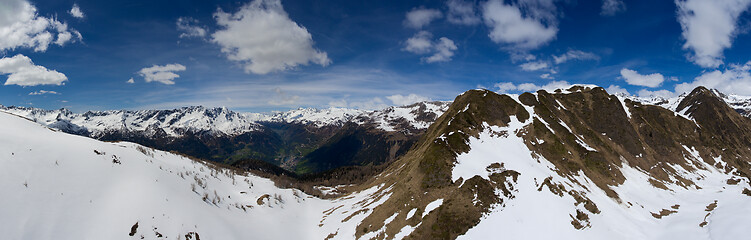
(62, 186)
(714, 208)
(58, 184)
(535, 214)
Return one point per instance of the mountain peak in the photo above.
(701, 100)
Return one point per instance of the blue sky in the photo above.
(266, 55)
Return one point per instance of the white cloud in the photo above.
(371, 104)
(507, 87)
(709, 27)
(341, 103)
(23, 72)
(611, 7)
(525, 25)
(162, 74)
(462, 12)
(421, 43)
(634, 78)
(534, 66)
(546, 76)
(131, 81)
(263, 37)
(76, 11)
(21, 27)
(420, 17)
(282, 98)
(522, 56)
(42, 92)
(736, 79)
(400, 100)
(613, 89)
(190, 27)
(444, 50)
(317, 89)
(575, 55)
(659, 93)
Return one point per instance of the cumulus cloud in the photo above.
(21, 27)
(282, 98)
(42, 92)
(401, 100)
(613, 89)
(525, 25)
(422, 43)
(709, 27)
(462, 12)
(534, 66)
(190, 27)
(611, 7)
(444, 50)
(131, 81)
(634, 78)
(575, 55)
(735, 79)
(507, 87)
(420, 17)
(162, 74)
(22, 71)
(76, 11)
(263, 37)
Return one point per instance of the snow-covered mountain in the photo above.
(574, 164)
(173, 122)
(177, 122)
(299, 140)
(577, 164)
(61, 186)
(741, 104)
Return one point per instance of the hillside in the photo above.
(579, 162)
(61, 186)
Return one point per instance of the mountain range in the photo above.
(299, 140)
(574, 163)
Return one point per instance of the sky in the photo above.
(271, 55)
